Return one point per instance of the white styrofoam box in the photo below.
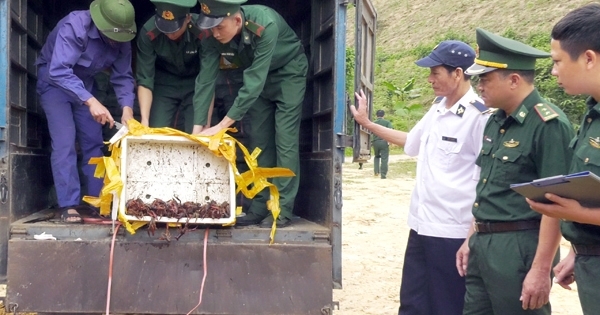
(164, 167)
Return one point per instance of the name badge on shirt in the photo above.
(449, 139)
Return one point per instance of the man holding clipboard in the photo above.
(575, 49)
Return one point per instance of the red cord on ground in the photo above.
(110, 266)
(204, 277)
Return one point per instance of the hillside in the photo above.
(403, 24)
(408, 30)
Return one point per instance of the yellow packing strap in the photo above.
(255, 177)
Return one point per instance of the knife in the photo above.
(121, 131)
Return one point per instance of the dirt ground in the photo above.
(374, 236)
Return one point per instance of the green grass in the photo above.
(402, 169)
(394, 150)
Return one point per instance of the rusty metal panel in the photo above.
(364, 72)
(164, 278)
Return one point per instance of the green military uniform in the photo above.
(586, 149)
(274, 82)
(381, 149)
(526, 145)
(167, 67)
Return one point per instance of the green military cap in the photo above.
(213, 11)
(170, 14)
(115, 19)
(497, 52)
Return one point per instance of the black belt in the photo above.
(495, 227)
(586, 250)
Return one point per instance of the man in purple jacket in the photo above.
(82, 44)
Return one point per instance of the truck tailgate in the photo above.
(245, 275)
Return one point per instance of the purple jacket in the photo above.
(75, 51)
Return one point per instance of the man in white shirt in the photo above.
(447, 141)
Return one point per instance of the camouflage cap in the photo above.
(213, 11)
(497, 52)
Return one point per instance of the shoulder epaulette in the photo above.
(480, 107)
(545, 112)
(254, 28)
(152, 34)
(437, 100)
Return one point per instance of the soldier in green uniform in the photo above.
(168, 60)
(381, 147)
(511, 249)
(575, 49)
(274, 81)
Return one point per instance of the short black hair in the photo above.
(527, 75)
(380, 113)
(578, 30)
(451, 69)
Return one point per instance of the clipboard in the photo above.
(583, 187)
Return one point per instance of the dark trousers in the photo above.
(431, 284)
(498, 264)
(381, 149)
(172, 107)
(587, 275)
(275, 129)
(69, 121)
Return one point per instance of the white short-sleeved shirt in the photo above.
(447, 142)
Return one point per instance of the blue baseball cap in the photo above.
(452, 53)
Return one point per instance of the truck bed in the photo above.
(153, 276)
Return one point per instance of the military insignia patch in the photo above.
(545, 112)
(511, 144)
(460, 111)
(595, 142)
(437, 100)
(480, 106)
(205, 9)
(168, 15)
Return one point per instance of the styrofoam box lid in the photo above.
(164, 167)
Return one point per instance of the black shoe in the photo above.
(249, 219)
(281, 222)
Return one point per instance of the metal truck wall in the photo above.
(25, 177)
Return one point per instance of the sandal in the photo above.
(70, 216)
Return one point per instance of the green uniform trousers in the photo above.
(498, 264)
(275, 128)
(382, 153)
(172, 107)
(587, 275)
